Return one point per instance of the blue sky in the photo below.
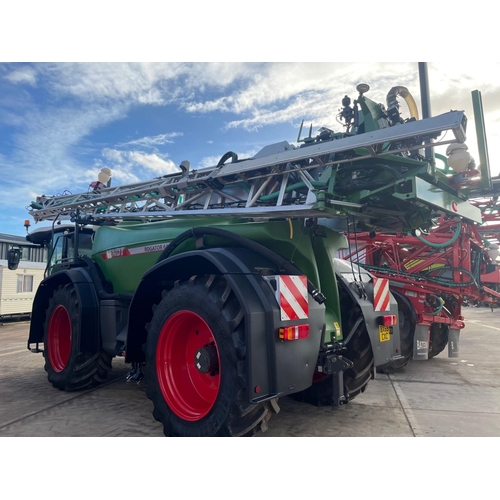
(60, 123)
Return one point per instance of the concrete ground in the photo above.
(439, 397)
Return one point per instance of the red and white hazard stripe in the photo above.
(292, 297)
(381, 296)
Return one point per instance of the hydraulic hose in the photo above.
(419, 277)
(244, 242)
(440, 307)
(353, 330)
(446, 243)
(392, 100)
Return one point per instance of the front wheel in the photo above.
(69, 369)
(195, 360)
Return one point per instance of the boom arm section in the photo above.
(327, 177)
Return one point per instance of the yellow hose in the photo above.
(405, 94)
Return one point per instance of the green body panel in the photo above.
(441, 199)
(325, 249)
(114, 248)
(484, 162)
(125, 273)
(371, 112)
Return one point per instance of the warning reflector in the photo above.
(292, 297)
(381, 296)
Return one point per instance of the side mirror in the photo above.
(13, 258)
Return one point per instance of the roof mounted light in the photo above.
(104, 175)
(458, 157)
(104, 181)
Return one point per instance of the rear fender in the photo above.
(272, 367)
(87, 298)
(347, 275)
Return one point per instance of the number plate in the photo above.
(385, 333)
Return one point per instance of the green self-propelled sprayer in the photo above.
(221, 285)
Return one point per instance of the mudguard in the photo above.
(350, 275)
(273, 367)
(87, 298)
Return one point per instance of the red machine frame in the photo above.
(436, 273)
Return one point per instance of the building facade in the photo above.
(18, 288)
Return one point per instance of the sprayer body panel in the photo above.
(127, 251)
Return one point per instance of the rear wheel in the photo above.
(359, 351)
(195, 359)
(438, 338)
(67, 368)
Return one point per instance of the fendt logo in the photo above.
(125, 252)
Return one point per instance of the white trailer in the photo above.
(18, 288)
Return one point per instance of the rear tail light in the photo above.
(294, 332)
(388, 320)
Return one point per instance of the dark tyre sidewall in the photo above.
(66, 297)
(195, 298)
(438, 339)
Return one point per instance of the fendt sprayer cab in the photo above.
(221, 285)
(62, 241)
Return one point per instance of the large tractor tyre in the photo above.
(407, 326)
(438, 338)
(195, 363)
(67, 368)
(358, 350)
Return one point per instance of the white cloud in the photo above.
(44, 154)
(311, 107)
(153, 162)
(272, 83)
(25, 74)
(113, 155)
(128, 159)
(123, 176)
(116, 81)
(288, 92)
(144, 83)
(151, 141)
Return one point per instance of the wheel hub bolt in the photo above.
(206, 360)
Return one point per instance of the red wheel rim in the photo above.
(318, 377)
(189, 393)
(59, 338)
